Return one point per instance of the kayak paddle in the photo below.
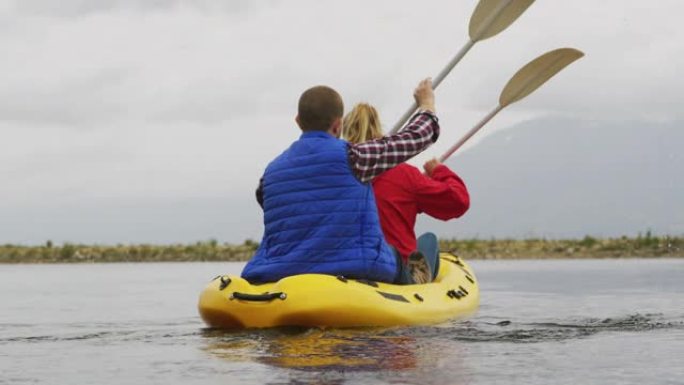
(524, 82)
(489, 18)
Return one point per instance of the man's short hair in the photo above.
(318, 108)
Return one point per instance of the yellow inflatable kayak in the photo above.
(316, 300)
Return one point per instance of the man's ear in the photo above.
(336, 128)
(298, 122)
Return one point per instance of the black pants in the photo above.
(403, 276)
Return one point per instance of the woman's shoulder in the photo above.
(401, 171)
(408, 169)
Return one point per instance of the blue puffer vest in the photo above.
(318, 217)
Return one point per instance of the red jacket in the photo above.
(403, 192)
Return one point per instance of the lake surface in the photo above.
(540, 322)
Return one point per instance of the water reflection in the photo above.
(316, 350)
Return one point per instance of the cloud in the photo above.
(191, 63)
(60, 74)
(79, 8)
(132, 100)
(629, 70)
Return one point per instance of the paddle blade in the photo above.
(536, 73)
(493, 16)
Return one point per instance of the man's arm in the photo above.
(372, 158)
(260, 193)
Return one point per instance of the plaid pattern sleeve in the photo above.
(372, 158)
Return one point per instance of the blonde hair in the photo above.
(362, 124)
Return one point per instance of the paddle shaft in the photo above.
(470, 133)
(532, 76)
(435, 82)
(457, 58)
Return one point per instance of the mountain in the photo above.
(559, 177)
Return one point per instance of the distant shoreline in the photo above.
(647, 246)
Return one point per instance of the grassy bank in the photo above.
(638, 247)
(624, 247)
(73, 253)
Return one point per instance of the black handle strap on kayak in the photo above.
(460, 265)
(367, 282)
(258, 297)
(454, 260)
(225, 281)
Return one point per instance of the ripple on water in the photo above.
(520, 332)
(401, 348)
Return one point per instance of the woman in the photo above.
(403, 192)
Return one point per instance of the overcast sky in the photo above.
(151, 121)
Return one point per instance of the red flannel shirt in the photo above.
(372, 158)
(403, 192)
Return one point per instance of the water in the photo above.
(540, 322)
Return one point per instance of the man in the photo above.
(320, 214)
